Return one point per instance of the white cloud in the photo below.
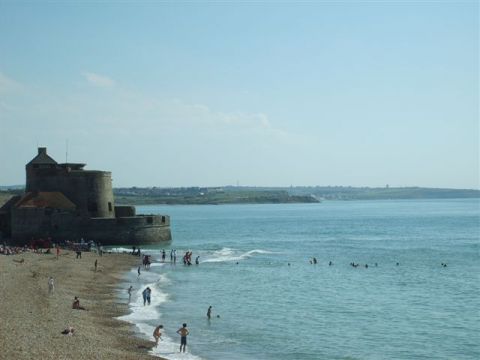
(98, 80)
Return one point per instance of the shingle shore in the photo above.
(31, 320)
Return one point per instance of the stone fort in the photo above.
(67, 202)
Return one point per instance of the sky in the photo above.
(251, 93)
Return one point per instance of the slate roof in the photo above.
(44, 199)
(42, 158)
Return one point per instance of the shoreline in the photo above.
(33, 319)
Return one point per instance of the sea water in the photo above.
(272, 303)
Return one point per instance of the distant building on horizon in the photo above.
(67, 202)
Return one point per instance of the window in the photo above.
(110, 206)
(163, 219)
(149, 220)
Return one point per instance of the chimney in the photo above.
(42, 150)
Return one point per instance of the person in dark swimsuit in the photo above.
(183, 332)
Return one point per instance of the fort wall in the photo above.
(65, 202)
(90, 191)
(28, 223)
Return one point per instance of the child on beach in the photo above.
(76, 304)
(129, 290)
(68, 331)
(157, 334)
(51, 285)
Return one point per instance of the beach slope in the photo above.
(32, 320)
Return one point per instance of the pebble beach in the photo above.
(32, 319)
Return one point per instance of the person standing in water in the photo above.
(183, 332)
(157, 334)
(209, 312)
(129, 290)
(146, 296)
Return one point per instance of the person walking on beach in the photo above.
(96, 263)
(58, 251)
(157, 334)
(138, 270)
(51, 285)
(163, 255)
(209, 312)
(129, 291)
(183, 332)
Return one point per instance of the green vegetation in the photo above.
(213, 196)
(385, 193)
(267, 195)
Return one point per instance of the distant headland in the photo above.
(267, 195)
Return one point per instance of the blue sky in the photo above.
(207, 94)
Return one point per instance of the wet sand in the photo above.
(31, 320)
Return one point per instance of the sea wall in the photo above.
(28, 223)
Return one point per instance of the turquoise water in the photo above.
(270, 310)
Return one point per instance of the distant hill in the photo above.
(266, 195)
(11, 187)
(385, 193)
(213, 196)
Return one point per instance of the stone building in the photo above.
(67, 202)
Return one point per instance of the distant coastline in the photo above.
(266, 195)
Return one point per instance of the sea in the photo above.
(270, 301)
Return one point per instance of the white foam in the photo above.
(141, 314)
(227, 254)
(168, 348)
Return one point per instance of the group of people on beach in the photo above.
(13, 250)
(146, 261)
(183, 332)
(187, 259)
